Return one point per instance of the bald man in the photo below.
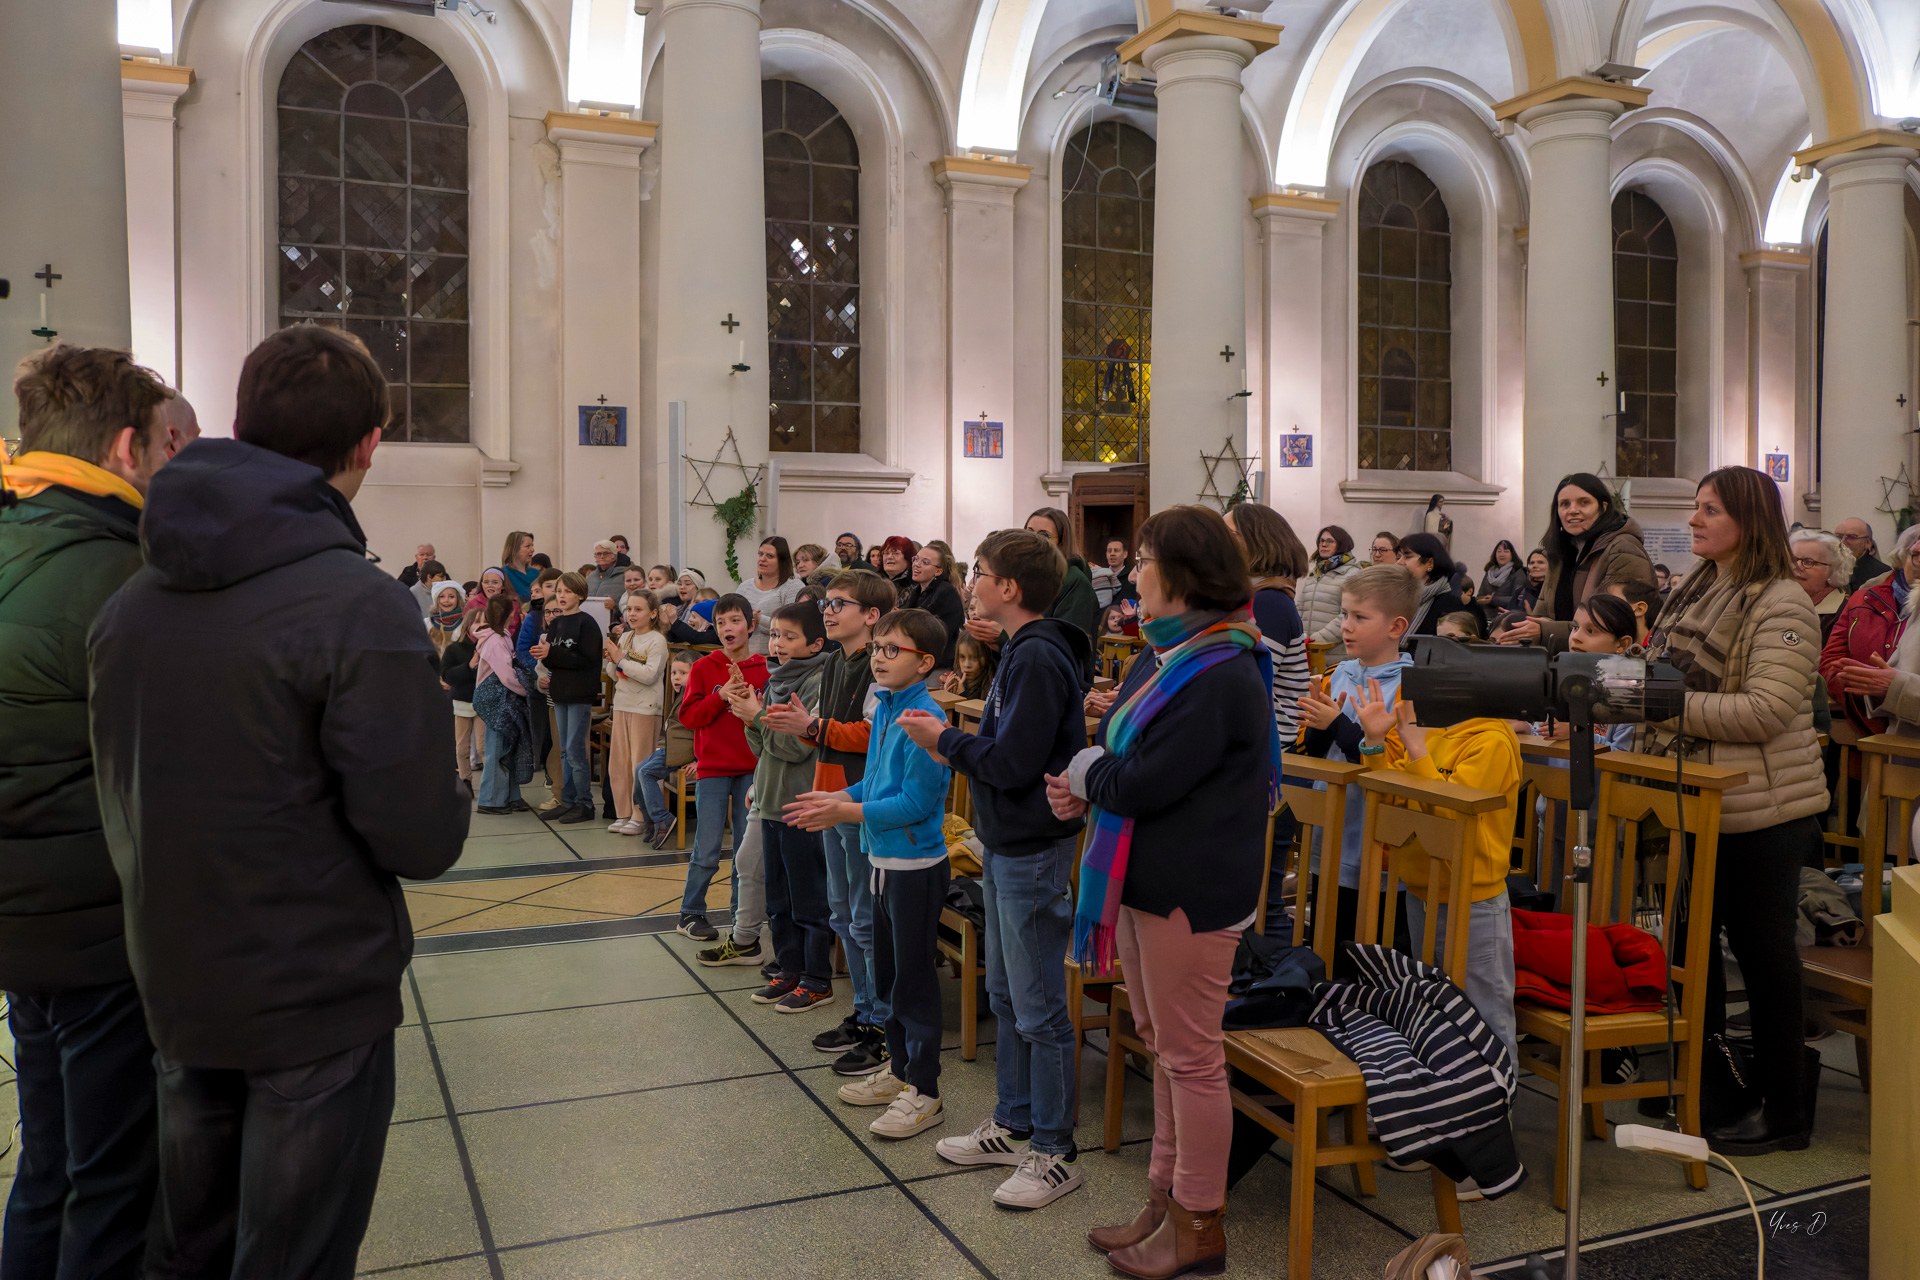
(181, 422)
(1858, 535)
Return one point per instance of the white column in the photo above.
(1199, 276)
(712, 263)
(1863, 423)
(148, 92)
(1569, 298)
(599, 323)
(63, 197)
(1774, 417)
(1293, 229)
(980, 347)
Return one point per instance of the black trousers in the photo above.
(1756, 895)
(796, 863)
(906, 965)
(540, 718)
(1279, 905)
(83, 1188)
(270, 1173)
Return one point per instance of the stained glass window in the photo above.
(1106, 296)
(373, 215)
(813, 271)
(1405, 322)
(1646, 345)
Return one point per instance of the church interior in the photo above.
(697, 271)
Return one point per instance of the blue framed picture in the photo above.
(1777, 468)
(986, 439)
(603, 424)
(1296, 450)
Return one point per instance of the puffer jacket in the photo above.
(1868, 624)
(1318, 598)
(1761, 719)
(1619, 548)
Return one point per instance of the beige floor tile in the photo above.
(512, 915)
(503, 890)
(606, 892)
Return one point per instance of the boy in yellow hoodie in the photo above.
(1483, 754)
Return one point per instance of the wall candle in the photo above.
(1243, 377)
(43, 309)
(743, 352)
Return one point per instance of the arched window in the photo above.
(373, 215)
(1106, 296)
(813, 272)
(1405, 322)
(1646, 345)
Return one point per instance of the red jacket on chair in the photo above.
(1626, 968)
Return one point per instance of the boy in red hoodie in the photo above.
(723, 763)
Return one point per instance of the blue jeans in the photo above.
(1489, 959)
(496, 792)
(850, 903)
(89, 1160)
(1029, 926)
(576, 782)
(718, 798)
(653, 774)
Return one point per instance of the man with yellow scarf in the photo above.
(94, 427)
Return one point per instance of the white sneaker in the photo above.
(876, 1090)
(632, 827)
(909, 1113)
(1038, 1182)
(619, 826)
(987, 1144)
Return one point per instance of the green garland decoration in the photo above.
(737, 515)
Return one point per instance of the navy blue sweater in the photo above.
(1195, 785)
(1034, 723)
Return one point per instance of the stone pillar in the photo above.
(1775, 421)
(1199, 275)
(1293, 228)
(1867, 366)
(64, 198)
(600, 485)
(980, 342)
(148, 93)
(712, 210)
(1569, 328)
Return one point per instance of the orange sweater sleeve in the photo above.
(844, 735)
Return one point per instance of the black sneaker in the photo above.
(697, 928)
(841, 1038)
(550, 812)
(728, 952)
(579, 813)
(776, 991)
(664, 831)
(494, 811)
(519, 806)
(770, 971)
(864, 1058)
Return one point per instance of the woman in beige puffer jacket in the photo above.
(1745, 634)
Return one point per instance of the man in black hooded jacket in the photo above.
(272, 745)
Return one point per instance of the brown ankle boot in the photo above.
(1107, 1239)
(1185, 1243)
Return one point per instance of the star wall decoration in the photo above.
(1236, 477)
(704, 469)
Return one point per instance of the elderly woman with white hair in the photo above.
(1823, 566)
(1857, 662)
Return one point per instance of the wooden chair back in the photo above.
(1321, 812)
(1116, 652)
(1845, 833)
(1410, 818)
(1634, 787)
(1544, 774)
(1892, 782)
(1317, 651)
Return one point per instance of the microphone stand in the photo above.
(1573, 1071)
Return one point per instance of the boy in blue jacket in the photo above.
(900, 803)
(1032, 726)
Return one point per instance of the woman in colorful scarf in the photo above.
(1745, 635)
(1179, 788)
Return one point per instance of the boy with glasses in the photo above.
(899, 807)
(855, 602)
(1032, 726)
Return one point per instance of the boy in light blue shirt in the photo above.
(900, 805)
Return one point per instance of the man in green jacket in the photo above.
(94, 427)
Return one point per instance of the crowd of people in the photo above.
(205, 1033)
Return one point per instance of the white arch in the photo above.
(993, 85)
(1321, 87)
(1739, 179)
(1787, 213)
(605, 43)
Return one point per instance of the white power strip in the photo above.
(1661, 1142)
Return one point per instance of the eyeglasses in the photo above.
(892, 651)
(831, 605)
(1854, 537)
(979, 573)
(1802, 562)
(1143, 559)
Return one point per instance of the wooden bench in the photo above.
(1839, 980)
(1634, 787)
(1300, 1065)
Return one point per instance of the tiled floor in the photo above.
(584, 1101)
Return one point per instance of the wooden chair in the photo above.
(682, 791)
(1322, 813)
(966, 953)
(1634, 787)
(1544, 774)
(1300, 1065)
(1116, 652)
(1840, 979)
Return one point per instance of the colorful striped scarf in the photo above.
(1186, 645)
